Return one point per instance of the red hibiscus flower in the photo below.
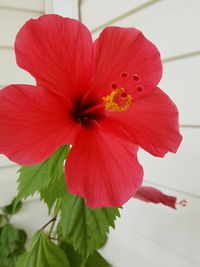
(101, 97)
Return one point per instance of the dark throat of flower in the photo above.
(87, 113)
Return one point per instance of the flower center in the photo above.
(87, 112)
(117, 100)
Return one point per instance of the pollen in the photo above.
(118, 100)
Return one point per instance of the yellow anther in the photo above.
(118, 100)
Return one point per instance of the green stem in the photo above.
(56, 211)
(51, 228)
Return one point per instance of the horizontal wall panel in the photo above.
(4, 161)
(10, 72)
(37, 5)
(107, 10)
(8, 184)
(181, 82)
(156, 234)
(32, 216)
(120, 253)
(179, 171)
(13, 20)
(172, 25)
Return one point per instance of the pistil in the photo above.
(94, 108)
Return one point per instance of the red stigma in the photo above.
(124, 74)
(114, 85)
(135, 77)
(139, 89)
(124, 94)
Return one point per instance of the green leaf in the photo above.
(37, 177)
(7, 261)
(85, 228)
(75, 258)
(55, 190)
(12, 208)
(7, 240)
(97, 260)
(43, 253)
(21, 260)
(12, 243)
(21, 240)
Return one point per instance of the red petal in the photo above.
(151, 194)
(123, 54)
(151, 122)
(33, 124)
(102, 169)
(57, 51)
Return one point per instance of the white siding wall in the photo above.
(147, 235)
